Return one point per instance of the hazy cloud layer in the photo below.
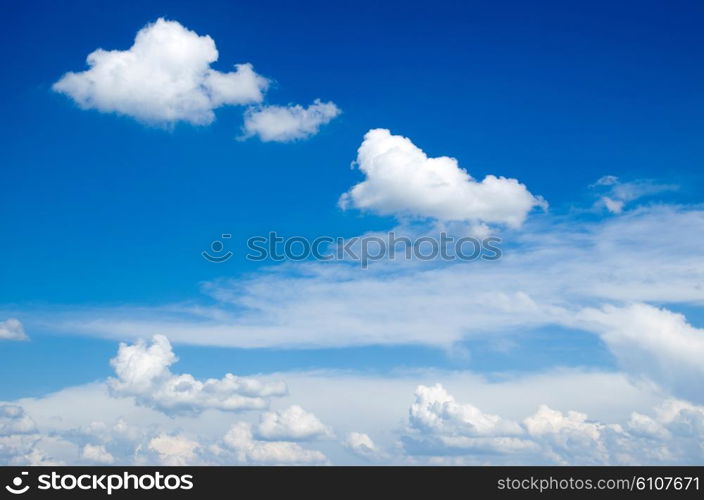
(439, 428)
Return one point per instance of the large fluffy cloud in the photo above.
(402, 180)
(12, 329)
(288, 123)
(143, 372)
(435, 409)
(165, 77)
(441, 425)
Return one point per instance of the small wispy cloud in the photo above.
(614, 194)
(288, 123)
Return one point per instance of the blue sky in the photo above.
(104, 216)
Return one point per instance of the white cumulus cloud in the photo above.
(288, 123)
(165, 77)
(362, 445)
(402, 180)
(143, 372)
(291, 424)
(240, 439)
(438, 425)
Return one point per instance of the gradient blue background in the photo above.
(99, 209)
